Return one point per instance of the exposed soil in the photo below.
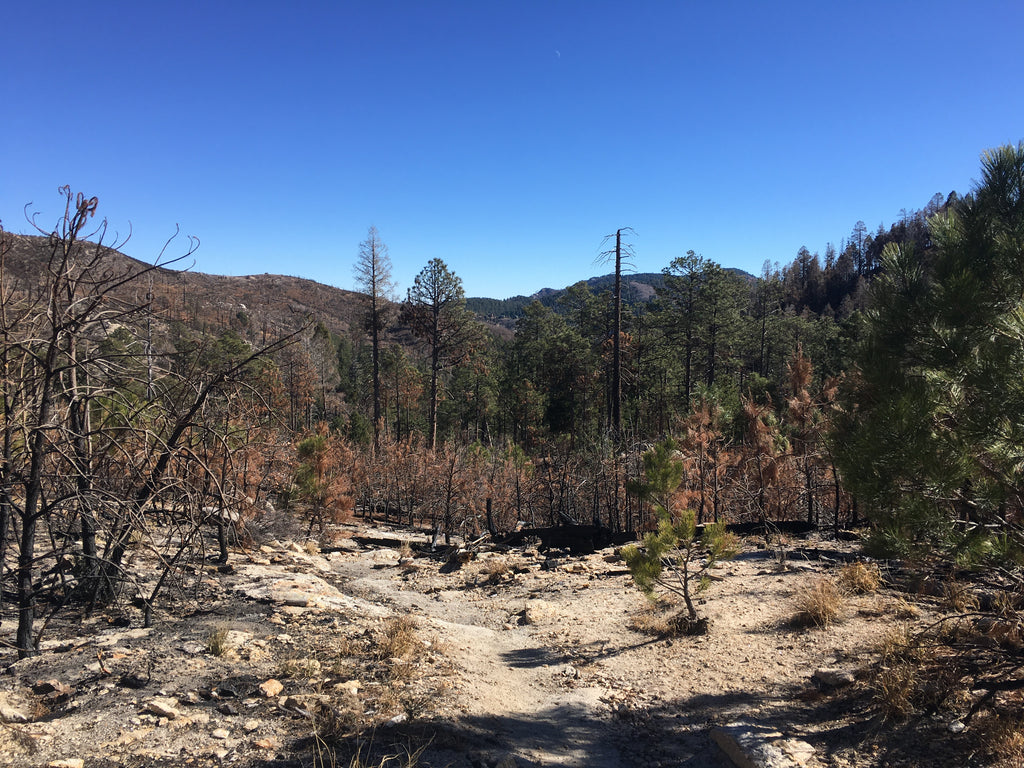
(518, 658)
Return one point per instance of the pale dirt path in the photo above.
(549, 670)
(537, 674)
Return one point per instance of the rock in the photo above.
(67, 762)
(268, 743)
(751, 746)
(271, 688)
(251, 725)
(398, 719)
(132, 680)
(349, 686)
(956, 726)
(833, 678)
(298, 704)
(221, 733)
(48, 687)
(163, 707)
(536, 611)
(508, 761)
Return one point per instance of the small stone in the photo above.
(956, 727)
(46, 687)
(250, 725)
(163, 708)
(350, 686)
(67, 762)
(833, 678)
(398, 719)
(221, 733)
(271, 688)
(268, 743)
(10, 714)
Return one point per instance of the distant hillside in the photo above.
(258, 306)
(263, 306)
(637, 288)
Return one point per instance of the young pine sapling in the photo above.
(674, 558)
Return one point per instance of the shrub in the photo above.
(859, 578)
(819, 604)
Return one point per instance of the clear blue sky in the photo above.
(506, 138)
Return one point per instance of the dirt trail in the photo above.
(552, 670)
(529, 661)
(540, 657)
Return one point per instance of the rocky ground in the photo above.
(371, 646)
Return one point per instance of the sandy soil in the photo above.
(521, 659)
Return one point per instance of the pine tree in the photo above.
(933, 437)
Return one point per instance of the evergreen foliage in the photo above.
(674, 557)
(932, 435)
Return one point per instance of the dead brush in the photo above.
(900, 677)
(649, 622)
(366, 756)
(334, 721)
(396, 639)
(894, 687)
(217, 641)
(859, 578)
(495, 570)
(300, 668)
(819, 604)
(958, 597)
(1003, 739)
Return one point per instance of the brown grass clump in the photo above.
(495, 570)
(217, 642)
(649, 621)
(897, 678)
(300, 668)
(894, 687)
(396, 639)
(819, 604)
(859, 578)
(1003, 739)
(913, 676)
(959, 597)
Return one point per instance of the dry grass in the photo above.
(905, 611)
(300, 668)
(336, 720)
(913, 676)
(959, 597)
(894, 688)
(495, 570)
(217, 642)
(649, 621)
(859, 578)
(819, 604)
(396, 639)
(1003, 739)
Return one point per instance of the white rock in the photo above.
(162, 707)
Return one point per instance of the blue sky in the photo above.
(506, 138)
